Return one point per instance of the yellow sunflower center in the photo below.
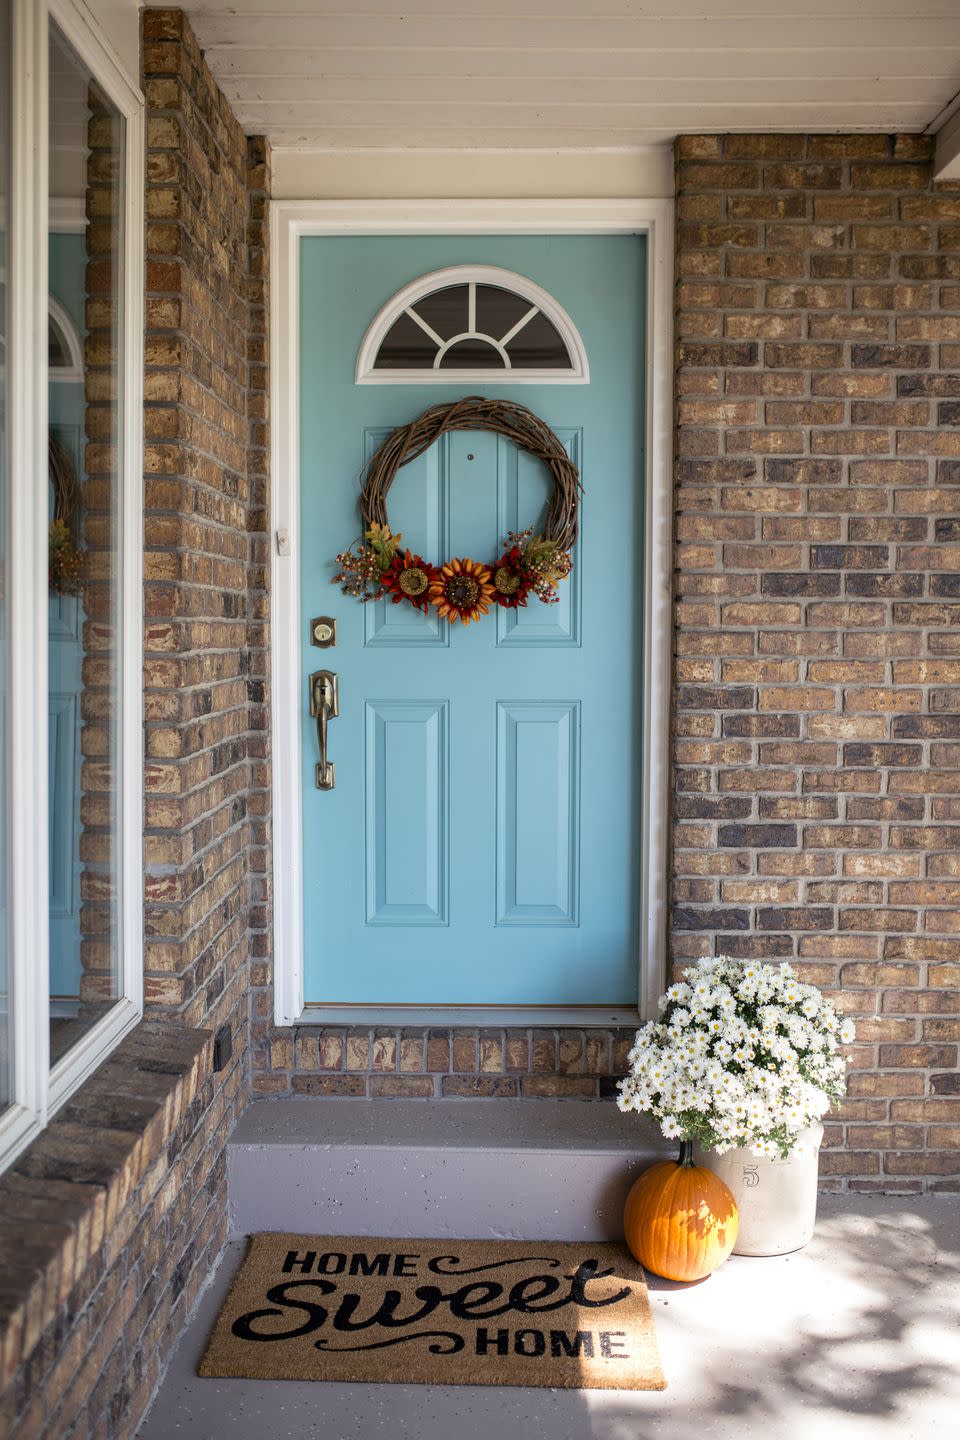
(506, 581)
(413, 582)
(462, 591)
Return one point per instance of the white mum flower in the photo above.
(747, 1049)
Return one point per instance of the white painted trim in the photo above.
(27, 579)
(657, 607)
(285, 691)
(36, 1091)
(95, 49)
(290, 221)
(90, 1051)
(130, 531)
(472, 275)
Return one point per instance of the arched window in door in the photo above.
(64, 346)
(472, 323)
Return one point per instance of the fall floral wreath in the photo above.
(65, 558)
(464, 589)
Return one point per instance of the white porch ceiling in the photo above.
(575, 74)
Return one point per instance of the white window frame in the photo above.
(37, 1091)
(290, 221)
(577, 373)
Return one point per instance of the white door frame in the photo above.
(290, 220)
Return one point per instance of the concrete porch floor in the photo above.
(855, 1338)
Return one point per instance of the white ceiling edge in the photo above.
(305, 174)
(119, 22)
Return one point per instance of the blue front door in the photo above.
(481, 844)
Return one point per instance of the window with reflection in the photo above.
(85, 243)
(71, 610)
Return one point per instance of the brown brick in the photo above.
(358, 1050)
(403, 1087)
(806, 237)
(712, 236)
(488, 1087)
(438, 1050)
(554, 1086)
(335, 1085)
(762, 265)
(758, 836)
(764, 205)
(928, 1056)
(698, 147)
(764, 146)
(835, 1162)
(812, 357)
(931, 1162)
(465, 1051)
(921, 1002)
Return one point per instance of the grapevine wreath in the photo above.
(65, 559)
(464, 589)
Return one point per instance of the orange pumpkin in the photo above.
(680, 1220)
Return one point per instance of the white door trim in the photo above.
(289, 221)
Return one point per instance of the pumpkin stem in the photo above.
(685, 1157)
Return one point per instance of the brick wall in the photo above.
(418, 1063)
(112, 1221)
(199, 650)
(109, 1225)
(817, 722)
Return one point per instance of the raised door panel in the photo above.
(538, 812)
(406, 812)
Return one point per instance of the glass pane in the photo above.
(499, 310)
(473, 354)
(5, 1018)
(538, 346)
(445, 311)
(58, 356)
(405, 346)
(85, 235)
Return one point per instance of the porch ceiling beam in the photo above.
(946, 164)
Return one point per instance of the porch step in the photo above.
(468, 1169)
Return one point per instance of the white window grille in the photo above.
(472, 323)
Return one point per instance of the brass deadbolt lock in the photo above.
(323, 631)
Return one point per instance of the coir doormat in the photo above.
(322, 1307)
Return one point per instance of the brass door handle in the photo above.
(324, 706)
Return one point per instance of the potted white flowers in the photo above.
(743, 1060)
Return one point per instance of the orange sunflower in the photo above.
(462, 590)
(409, 578)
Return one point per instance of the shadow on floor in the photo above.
(854, 1338)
